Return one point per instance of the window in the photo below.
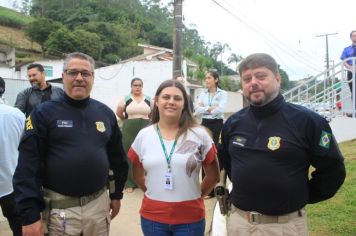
(49, 71)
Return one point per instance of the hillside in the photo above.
(12, 36)
(16, 38)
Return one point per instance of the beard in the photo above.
(35, 85)
(262, 100)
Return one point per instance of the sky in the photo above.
(285, 29)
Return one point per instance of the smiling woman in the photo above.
(167, 157)
(134, 110)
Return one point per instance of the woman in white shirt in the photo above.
(167, 157)
(211, 106)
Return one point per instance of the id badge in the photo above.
(168, 181)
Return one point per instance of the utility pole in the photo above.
(327, 50)
(177, 38)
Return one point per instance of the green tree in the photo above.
(285, 84)
(228, 84)
(88, 43)
(39, 30)
(60, 42)
(234, 58)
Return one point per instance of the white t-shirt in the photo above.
(192, 150)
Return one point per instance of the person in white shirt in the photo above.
(211, 106)
(12, 122)
(167, 157)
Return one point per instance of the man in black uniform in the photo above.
(267, 149)
(66, 152)
(40, 91)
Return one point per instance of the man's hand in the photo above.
(114, 207)
(34, 229)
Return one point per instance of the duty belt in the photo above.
(257, 218)
(69, 201)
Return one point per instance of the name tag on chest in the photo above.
(64, 123)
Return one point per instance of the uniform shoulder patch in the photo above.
(29, 125)
(325, 138)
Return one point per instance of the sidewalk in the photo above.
(127, 222)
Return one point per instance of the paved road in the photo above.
(127, 222)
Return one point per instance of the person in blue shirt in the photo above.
(211, 106)
(350, 65)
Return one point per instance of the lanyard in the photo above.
(210, 99)
(168, 158)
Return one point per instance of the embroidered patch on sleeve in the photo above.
(29, 123)
(325, 138)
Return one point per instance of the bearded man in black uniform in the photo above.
(267, 149)
(68, 147)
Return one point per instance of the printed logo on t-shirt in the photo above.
(239, 141)
(325, 138)
(64, 123)
(100, 126)
(274, 143)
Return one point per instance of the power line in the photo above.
(272, 42)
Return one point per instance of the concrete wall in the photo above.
(113, 83)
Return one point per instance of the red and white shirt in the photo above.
(182, 204)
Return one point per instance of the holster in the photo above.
(222, 194)
(111, 182)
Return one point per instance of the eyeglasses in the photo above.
(84, 73)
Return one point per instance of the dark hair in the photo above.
(2, 86)
(186, 120)
(35, 65)
(78, 55)
(136, 79)
(258, 60)
(354, 31)
(215, 75)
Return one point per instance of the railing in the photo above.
(327, 93)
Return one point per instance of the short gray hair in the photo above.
(78, 55)
(256, 60)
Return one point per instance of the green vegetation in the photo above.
(13, 19)
(337, 216)
(110, 30)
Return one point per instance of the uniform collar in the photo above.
(269, 108)
(76, 103)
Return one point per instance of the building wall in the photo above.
(113, 83)
(53, 69)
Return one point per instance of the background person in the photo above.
(350, 65)
(267, 149)
(68, 147)
(167, 157)
(40, 90)
(134, 110)
(211, 106)
(12, 122)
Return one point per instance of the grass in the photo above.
(337, 216)
(12, 18)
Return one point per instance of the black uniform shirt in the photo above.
(68, 147)
(267, 152)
